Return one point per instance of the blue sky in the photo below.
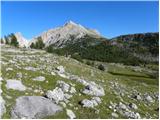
(109, 18)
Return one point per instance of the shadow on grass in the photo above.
(131, 75)
(148, 79)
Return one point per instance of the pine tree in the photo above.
(14, 41)
(32, 45)
(6, 39)
(2, 41)
(39, 43)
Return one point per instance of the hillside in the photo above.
(36, 84)
(128, 49)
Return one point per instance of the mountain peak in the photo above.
(70, 23)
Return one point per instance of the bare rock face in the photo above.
(34, 107)
(21, 40)
(70, 31)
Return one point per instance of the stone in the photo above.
(122, 106)
(53, 73)
(95, 101)
(94, 90)
(56, 95)
(64, 86)
(70, 114)
(114, 115)
(40, 78)
(132, 115)
(72, 90)
(148, 99)
(9, 69)
(15, 85)
(2, 106)
(19, 75)
(33, 107)
(133, 106)
(30, 68)
(67, 96)
(60, 69)
(87, 103)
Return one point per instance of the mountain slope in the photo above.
(130, 50)
(59, 36)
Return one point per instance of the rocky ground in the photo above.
(36, 84)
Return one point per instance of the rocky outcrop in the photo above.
(21, 40)
(34, 107)
(15, 85)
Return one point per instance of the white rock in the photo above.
(40, 78)
(53, 73)
(94, 89)
(9, 69)
(56, 95)
(132, 115)
(64, 86)
(31, 68)
(60, 69)
(72, 90)
(114, 115)
(2, 107)
(15, 85)
(70, 114)
(149, 98)
(133, 106)
(34, 107)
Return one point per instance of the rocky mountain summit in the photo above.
(70, 31)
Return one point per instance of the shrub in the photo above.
(101, 67)
(49, 49)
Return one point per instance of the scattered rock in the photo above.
(132, 115)
(91, 103)
(115, 115)
(31, 68)
(133, 106)
(70, 114)
(2, 106)
(34, 107)
(40, 78)
(9, 69)
(60, 69)
(64, 86)
(56, 95)
(94, 89)
(148, 99)
(72, 90)
(122, 106)
(19, 75)
(15, 85)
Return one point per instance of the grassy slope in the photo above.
(124, 76)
